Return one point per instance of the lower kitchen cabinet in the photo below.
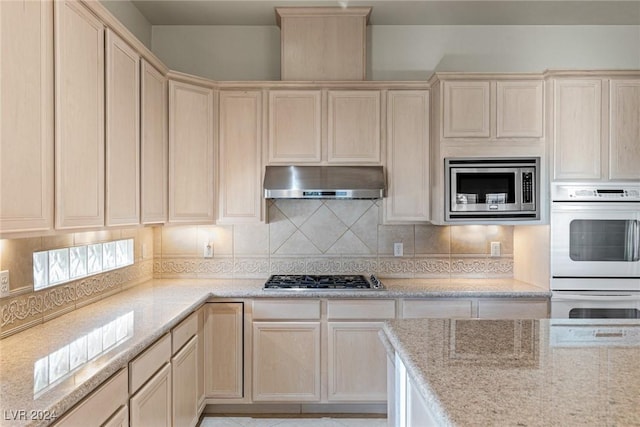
(224, 350)
(286, 361)
(408, 408)
(102, 406)
(119, 419)
(356, 362)
(151, 405)
(185, 385)
(356, 358)
(437, 308)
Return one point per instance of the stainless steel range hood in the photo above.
(324, 182)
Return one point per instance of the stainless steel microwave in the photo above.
(486, 189)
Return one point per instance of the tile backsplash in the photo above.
(331, 236)
(24, 307)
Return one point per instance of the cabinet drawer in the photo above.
(513, 309)
(436, 308)
(100, 405)
(361, 309)
(286, 309)
(184, 331)
(149, 362)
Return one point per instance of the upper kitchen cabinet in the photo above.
(191, 153)
(624, 129)
(240, 157)
(596, 127)
(79, 103)
(492, 109)
(154, 145)
(407, 157)
(294, 126)
(353, 126)
(324, 126)
(323, 43)
(122, 132)
(26, 116)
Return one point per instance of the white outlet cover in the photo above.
(495, 248)
(398, 249)
(207, 250)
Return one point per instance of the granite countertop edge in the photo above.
(252, 288)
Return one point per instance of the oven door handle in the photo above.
(609, 297)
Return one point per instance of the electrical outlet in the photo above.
(4, 283)
(495, 248)
(208, 250)
(398, 249)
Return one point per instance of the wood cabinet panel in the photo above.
(191, 153)
(154, 145)
(26, 115)
(437, 308)
(295, 126)
(122, 132)
(184, 370)
(79, 103)
(286, 361)
(240, 161)
(577, 129)
(353, 127)
(149, 362)
(151, 405)
(407, 157)
(624, 136)
(357, 362)
(224, 350)
(119, 419)
(513, 309)
(520, 109)
(361, 309)
(466, 109)
(101, 405)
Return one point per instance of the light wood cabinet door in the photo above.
(286, 361)
(224, 352)
(26, 115)
(577, 129)
(154, 145)
(151, 405)
(466, 109)
(122, 132)
(191, 153)
(520, 109)
(184, 369)
(353, 127)
(240, 157)
(357, 362)
(295, 126)
(624, 137)
(79, 103)
(407, 157)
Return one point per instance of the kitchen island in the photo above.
(43, 375)
(548, 372)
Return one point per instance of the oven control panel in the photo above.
(595, 192)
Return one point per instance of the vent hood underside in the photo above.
(324, 182)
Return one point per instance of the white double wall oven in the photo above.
(595, 250)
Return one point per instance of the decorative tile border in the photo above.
(437, 266)
(26, 310)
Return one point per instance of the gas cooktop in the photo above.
(322, 282)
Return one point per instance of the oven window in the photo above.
(604, 240)
(604, 313)
(474, 187)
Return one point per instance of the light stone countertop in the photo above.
(549, 372)
(32, 378)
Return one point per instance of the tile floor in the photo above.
(262, 421)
